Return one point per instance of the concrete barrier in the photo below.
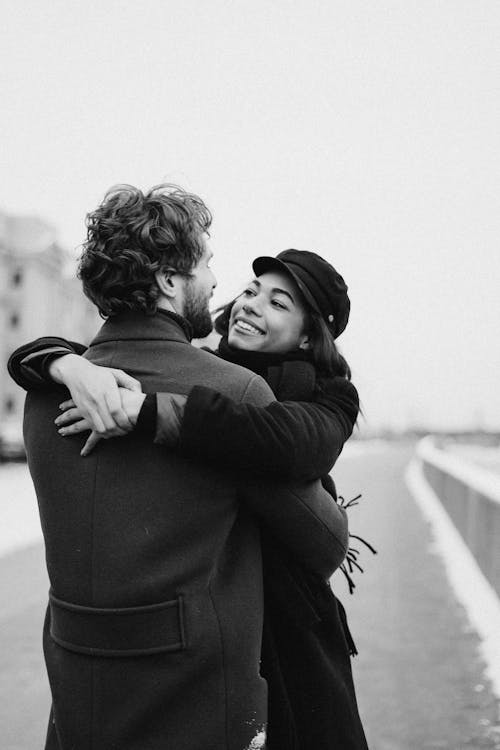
(471, 497)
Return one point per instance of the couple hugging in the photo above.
(189, 555)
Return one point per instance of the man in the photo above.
(153, 631)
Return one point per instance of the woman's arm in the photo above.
(94, 390)
(29, 364)
(302, 515)
(290, 439)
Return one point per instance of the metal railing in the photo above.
(471, 497)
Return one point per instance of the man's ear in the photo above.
(169, 283)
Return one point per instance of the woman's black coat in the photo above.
(300, 436)
(306, 643)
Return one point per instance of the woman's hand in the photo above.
(95, 392)
(73, 421)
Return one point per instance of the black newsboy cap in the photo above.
(322, 286)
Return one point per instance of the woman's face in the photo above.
(269, 316)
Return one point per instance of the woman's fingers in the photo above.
(74, 413)
(70, 415)
(67, 405)
(119, 425)
(83, 425)
(91, 443)
(95, 391)
(97, 423)
(126, 381)
(92, 388)
(116, 411)
(114, 398)
(132, 402)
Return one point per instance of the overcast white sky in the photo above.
(366, 131)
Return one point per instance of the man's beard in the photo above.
(196, 311)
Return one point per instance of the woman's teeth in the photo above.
(248, 328)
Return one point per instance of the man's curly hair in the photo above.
(131, 236)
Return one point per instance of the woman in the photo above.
(283, 326)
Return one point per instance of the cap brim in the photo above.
(265, 263)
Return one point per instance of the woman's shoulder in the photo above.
(293, 380)
(330, 383)
(299, 380)
(335, 387)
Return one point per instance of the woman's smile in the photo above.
(246, 328)
(269, 316)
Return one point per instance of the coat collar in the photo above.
(162, 325)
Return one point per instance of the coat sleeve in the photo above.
(28, 365)
(304, 517)
(299, 440)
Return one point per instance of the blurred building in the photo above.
(39, 295)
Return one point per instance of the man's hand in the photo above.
(95, 392)
(73, 421)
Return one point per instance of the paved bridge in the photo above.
(419, 673)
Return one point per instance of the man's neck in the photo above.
(141, 325)
(179, 319)
(164, 304)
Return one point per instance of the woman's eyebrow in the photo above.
(276, 290)
(254, 282)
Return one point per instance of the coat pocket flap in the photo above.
(127, 631)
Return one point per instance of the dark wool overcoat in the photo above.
(153, 632)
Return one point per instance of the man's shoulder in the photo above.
(166, 365)
(231, 379)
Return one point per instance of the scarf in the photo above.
(291, 375)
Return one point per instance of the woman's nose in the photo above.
(251, 307)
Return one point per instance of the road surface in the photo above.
(419, 677)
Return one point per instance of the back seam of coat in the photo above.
(219, 630)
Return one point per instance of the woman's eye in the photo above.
(249, 293)
(279, 304)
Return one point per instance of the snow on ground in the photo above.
(19, 520)
(471, 587)
(488, 457)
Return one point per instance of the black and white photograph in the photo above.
(250, 375)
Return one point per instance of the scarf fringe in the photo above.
(351, 558)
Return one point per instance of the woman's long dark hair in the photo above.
(325, 355)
